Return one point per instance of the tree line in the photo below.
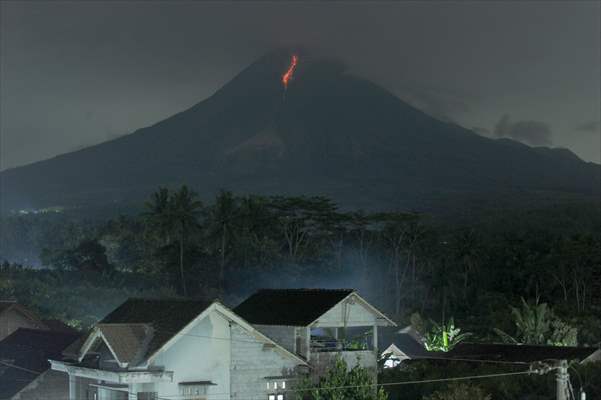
(403, 262)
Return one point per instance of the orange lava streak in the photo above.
(288, 75)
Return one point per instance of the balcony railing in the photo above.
(326, 344)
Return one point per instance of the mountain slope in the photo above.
(329, 133)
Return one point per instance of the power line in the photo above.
(412, 382)
(20, 368)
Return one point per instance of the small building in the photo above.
(403, 345)
(151, 349)
(25, 372)
(318, 324)
(14, 316)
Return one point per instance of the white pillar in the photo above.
(72, 387)
(308, 342)
(375, 339)
(561, 379)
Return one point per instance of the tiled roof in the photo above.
(291, 307)
(24, 355)
(165, 317)
(128, 341)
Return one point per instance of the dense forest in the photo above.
(481, 273)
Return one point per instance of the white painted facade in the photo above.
(351, 312)
(217, 356)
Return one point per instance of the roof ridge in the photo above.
(173, 299)
(309, 289)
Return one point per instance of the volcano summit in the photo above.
(333, 134)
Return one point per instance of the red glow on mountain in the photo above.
(288, 75)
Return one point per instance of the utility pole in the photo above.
(562, 378)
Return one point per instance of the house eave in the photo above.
(122, 377)
(381, 318)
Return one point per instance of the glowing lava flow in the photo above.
(288, 75)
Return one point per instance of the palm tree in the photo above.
(158, 213)
(174, 214)
(184, 210)
(223, 215)
(537, 324)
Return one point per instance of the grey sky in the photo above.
(75, 74)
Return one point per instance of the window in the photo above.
(276, 387)
(193, 392)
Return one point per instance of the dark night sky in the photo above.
(78, 74)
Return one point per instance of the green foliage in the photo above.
(340, 383)
(174, 215)
(536, 323)
(87, 256)
(539, 387)
(460, 391)
(438, 337)
(402, 262)
(78, 298)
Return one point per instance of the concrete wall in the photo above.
(252, 362)
(282, 335)
(49, 385)
(203, 354)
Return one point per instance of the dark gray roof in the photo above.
(166, 317)
(511, 353)
(291, 307)
(24, 355)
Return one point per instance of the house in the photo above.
(14, 316)
(318, 324)
(25, 372)
(405, 344)
(178, 349)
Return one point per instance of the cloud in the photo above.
(481, 131)
(437, 102)
(536, 133)
(590, 126)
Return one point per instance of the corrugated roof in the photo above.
(28, 350)
(291, 307)
(511, 353)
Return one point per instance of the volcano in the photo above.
(319, 131)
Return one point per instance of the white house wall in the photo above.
(346, 314)
(282, 335)
(202, 354)
(252, 361)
